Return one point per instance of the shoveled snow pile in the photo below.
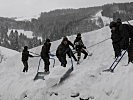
(87, 81)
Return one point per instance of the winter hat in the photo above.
(119, 20)
(47, 40)
(65, 39)
(78, 35)
(112, 24)
(25, 47)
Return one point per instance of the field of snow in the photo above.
(7, 52)
(87, 79)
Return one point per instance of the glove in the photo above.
(73, 48)
(69, 56)
(84, 47)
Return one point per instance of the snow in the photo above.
(7, 52)
(87, 79)
(27, 18)
(106, 20)
(29, 34)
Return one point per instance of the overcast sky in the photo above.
(15, 8)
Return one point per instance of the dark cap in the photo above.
(78, 35)
(118, 20)
(112, 24)
(65, 39)
(47, 40)
(25, 47)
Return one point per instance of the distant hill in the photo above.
(63, 22)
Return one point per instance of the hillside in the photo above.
(61, 22)
(58, 23)
(86, 79)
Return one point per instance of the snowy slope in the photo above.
(86, 79)
(6, 53)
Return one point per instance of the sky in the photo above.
(19, 8)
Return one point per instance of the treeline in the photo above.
(15, 41)
(58, 23)
(118, 10)
(62, 22)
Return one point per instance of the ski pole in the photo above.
(112, 70)
(72, 62)
(39, 64)
(34, 53)
(36, 56)
(90, 54)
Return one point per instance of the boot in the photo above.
(78, 59)
(85, 56)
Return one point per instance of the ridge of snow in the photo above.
(8, 52)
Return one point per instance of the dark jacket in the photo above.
(61, 50)
(45, 50)
(126, 32)
(25, 55)
(70, 43)
(115, 36)
(78, 43)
